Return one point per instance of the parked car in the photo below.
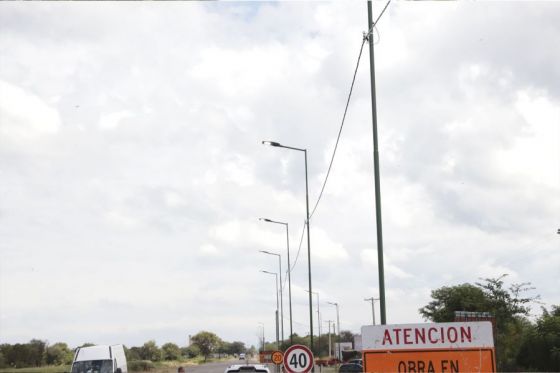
(99, 359)
(356, 361)
(350, 368)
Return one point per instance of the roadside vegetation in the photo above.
(523, 342)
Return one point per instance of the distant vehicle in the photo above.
(100, 359)
(241, 356)
(350, 368)
(356, 361)
(246, 368)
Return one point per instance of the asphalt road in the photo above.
(214, 367)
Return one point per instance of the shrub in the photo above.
(140, 365)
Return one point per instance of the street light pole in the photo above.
(262, 325)
(330, 348)
(338, 323)
(376, 173)
(278, 145)
(318, 323)
(277, 328)
(372, 299)
(289, 275)
(281, 296)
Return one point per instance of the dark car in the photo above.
(356, 361)
(350, 368)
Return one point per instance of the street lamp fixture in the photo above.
(289, 274)
(281, 296)
(318, 321)
(271, 143)
(277, 329)
(372, 300)
(278, 145)
(338, 323)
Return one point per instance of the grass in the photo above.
(160, 367)
(45, 369)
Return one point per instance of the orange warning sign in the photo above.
(430, 361)
(277, 357)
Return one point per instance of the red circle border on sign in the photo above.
(302, 347)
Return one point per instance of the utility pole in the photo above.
(376, 171)
(330, 348)
(372, 299)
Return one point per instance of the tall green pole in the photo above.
(376, 171)
(308, 256)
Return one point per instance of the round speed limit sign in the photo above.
(298, 359)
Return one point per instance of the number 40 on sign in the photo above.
(298, 359)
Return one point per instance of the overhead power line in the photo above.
(364, 39)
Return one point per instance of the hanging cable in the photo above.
(364, 39)
(297, 256)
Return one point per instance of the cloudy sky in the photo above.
(132, 174)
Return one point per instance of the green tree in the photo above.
(237, 347)
(190, 351)
(346, 336)
(541, 348)
(150, 351)
(58, 354)
(507, 305)
(448, 299)
(133, 353)
(171, 351)
(252, 351)
(36, 349)
(223, 348)
(207, 342)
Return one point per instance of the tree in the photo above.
(58, 354)
(507, 305)
(207, 342)
(223, 348)
(133, 353)
(237, 347)
(190, 351)
(346, 336)
(36, 349)
(541, 348)
(252, 351)
(150, 351)
(171, 351)
(447, 300)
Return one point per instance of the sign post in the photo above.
(439, 347)
(298, 359)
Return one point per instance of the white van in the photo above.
(100, 359)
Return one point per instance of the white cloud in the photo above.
(24, 116)
(149, 194)
(325, 249)
(113, 120)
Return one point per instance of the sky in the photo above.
(132, 173)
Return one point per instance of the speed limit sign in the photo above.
(298, 359)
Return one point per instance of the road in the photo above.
(215, 367)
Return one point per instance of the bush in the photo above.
(191, 351)
(140, 365)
